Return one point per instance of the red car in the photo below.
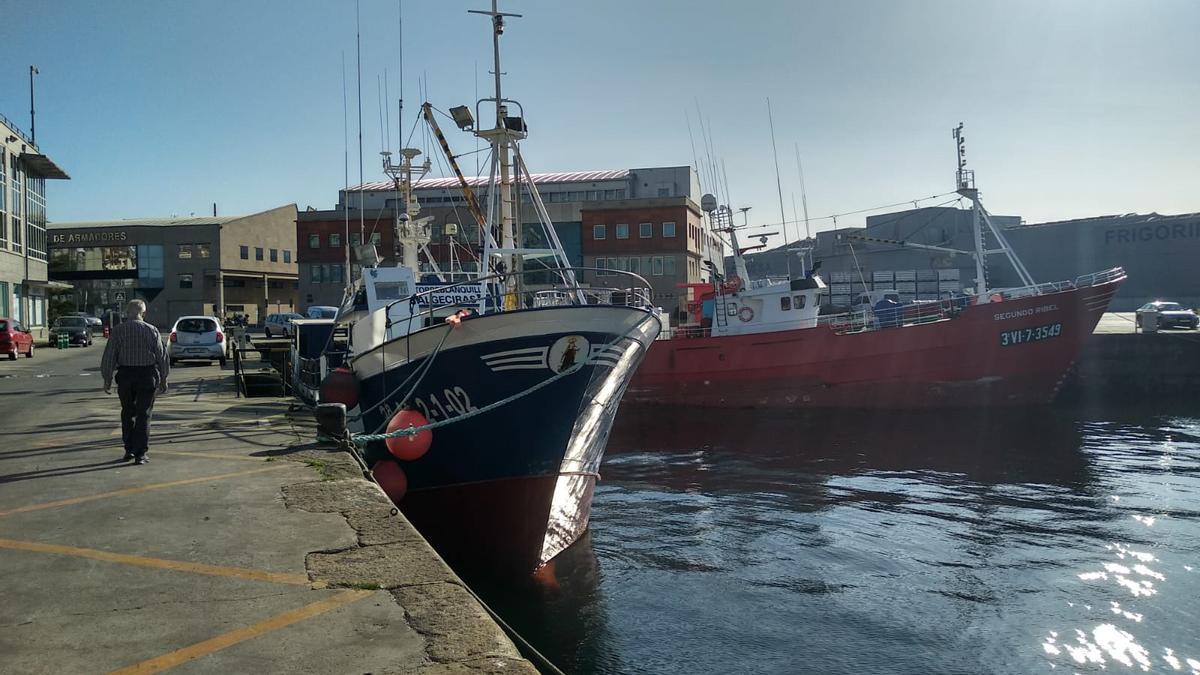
(15, 339)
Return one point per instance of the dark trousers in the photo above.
(136, 387)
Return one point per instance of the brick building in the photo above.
(662, 239)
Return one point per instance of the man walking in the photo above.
(136, 355)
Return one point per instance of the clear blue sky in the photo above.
(1073, 108)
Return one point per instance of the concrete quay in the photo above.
(241, 547)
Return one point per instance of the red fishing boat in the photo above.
(764, 344)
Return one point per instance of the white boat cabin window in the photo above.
(391, 291)
(800, 301)
(785, 303)
(731, 309)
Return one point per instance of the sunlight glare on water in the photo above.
(747, 542)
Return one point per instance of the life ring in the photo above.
(746, 314)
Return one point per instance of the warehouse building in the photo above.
(1157, 251)
(664, 198)
(196, 265)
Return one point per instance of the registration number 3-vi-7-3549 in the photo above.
(1021, 336)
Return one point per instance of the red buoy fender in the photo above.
(340, 386)
(409, 447)
(391, 478)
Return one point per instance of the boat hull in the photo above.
(1014, 352)
(510, 485)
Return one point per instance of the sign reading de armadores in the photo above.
(88, 238)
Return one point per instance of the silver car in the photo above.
(280, 324)
(197, 337)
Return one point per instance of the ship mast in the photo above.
(964, 184)
(502, 139)
(411, 234)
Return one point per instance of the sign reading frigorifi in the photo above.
(440, 295)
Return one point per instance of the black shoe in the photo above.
(128, 456)
(142, 460)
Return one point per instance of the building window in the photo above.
(274, 255)
(785, 303)
(185, 281)
(258, 253)
(314, 241)
(601, 265)
(244, 252)
(646, 230)
(376, 238)
(185, 251)
(668, 229)
(315, 274)
(335, 274)
(633, 265)
(622, 230)
(356, 239)
(287, 256)
(598, 231)
(204, 250)
(335, 240)
(669, 265)
(658, 266)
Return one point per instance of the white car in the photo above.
(321, 312)
(280, 324)
(196, 337)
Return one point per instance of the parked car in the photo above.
(93, 322)
(76, 328)
(321, 312)
(198, 338)
(280, 324)
(15, 339)
(1170, 315)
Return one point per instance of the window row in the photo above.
(621, 230)
(327, 273)
(787, 303)
(200, 250)
(335, 239)
(656, 266)
(244, 254)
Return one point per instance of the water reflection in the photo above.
(758, 542)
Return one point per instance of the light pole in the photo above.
(32, 118)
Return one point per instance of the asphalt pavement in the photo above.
(240, 547)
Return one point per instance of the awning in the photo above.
(52, 285)
(42, 167)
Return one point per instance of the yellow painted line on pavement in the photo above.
(158, 563)
(200, 649)
(135, 490)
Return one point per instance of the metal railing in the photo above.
(563, 292)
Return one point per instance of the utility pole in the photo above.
(32, 118)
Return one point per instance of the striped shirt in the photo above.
(134, 343)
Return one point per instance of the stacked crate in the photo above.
(949, 282)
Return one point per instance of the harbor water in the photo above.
(754, 542)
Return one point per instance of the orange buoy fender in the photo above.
(391, 478)
(340, 386)
(409, 447)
